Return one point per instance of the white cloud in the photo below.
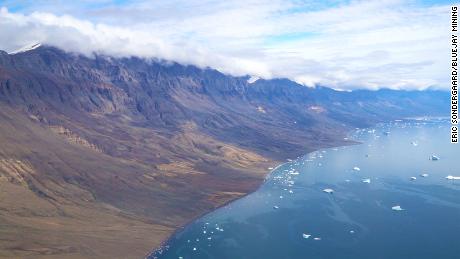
(361, 44)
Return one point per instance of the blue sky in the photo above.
(343, 44)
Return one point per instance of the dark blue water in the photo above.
(291, 216)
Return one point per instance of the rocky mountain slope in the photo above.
(105, 157)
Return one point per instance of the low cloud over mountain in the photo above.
(341, 44)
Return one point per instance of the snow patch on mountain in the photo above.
(253, 79)
(25, 48)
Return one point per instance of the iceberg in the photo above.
(328, 190)
(397, 208)
(434, 158)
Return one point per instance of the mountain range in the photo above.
(105, 157)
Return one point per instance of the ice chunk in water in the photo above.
(397, 208)
(327, 190)
(434, 158)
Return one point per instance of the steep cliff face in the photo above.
(96, 146)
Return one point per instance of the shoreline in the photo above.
(164, 244)
(345, 143)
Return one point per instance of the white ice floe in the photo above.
(424, 175)
(306, 236)
(327, 190)
(413, 178)
(434, 158)
(397, 208)
(367, 180)
(451, 177)
(356, 168)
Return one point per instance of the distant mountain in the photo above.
(107, 156)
